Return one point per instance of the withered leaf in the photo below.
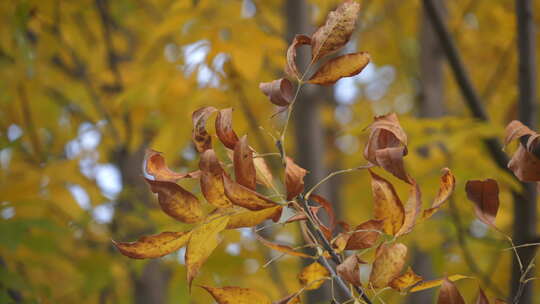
(153, 246)
(434, 283)
(525, 162)
(291, 68)
(203, 241)
(340, 67)
(449, 294)
(387, 206)
(391, 160)
(236, 295)
(365, 235)
(349, 270)
(177, 202)
(224, 129)
(244, 168)
(245, 197)
(389, 261)
(337, 30)
(212, 180)
(446, 188)
(294, 179)
(405, 281)
(248, 218)
(156, 166)
(313, 276)
(279, 91)
(485, 196)
(515, 130)
(413, 207)
(200, 136)
(281, 248)
(328, 207)
(481, 299)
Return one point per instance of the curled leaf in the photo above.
(248, 218)
(387, 207)
(446, 188)
(340, 67)
(313, 276)
(515, 130)
(200, 136)
(389, 261)
(413, 207)
(337, 30)
(294, 179)
(449, 294)
(236, 295)
(224, 129)
(291, 68)
(405, 281)
(177, 202)
(156, 166)
(244, 168)
(212, 180)
(281, 248)
(485, 196)
(349, 270)
(245, 197)
(525, 162)
(203, 241)
(434, 283)
(153, 246)
(280, 91)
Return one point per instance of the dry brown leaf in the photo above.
(485, 196)
(313, 276)
(481, 299)
(340, 67)
(153, 246)
(281, 248)
(391, 160)
(279, 91)
(200, 136)
(412, 208)
(387, 206)
(177, 202)
(247, 218)
(244, 168)
(294, 179)
(237, 295)
(264, 175)
(449, 294)
(245, 197)
(291, 69)
(328, 207)
(515, 130)
(446, 188)
(212, 180)
(366, 235)
(434, 283)
(203, 241)
(389, 261)
(405, 281)
(337, 30)
(224, 129)
(156, 166)
(525, 162)
(349, 270)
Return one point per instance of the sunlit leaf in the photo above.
(236, 295)
(244, 168)
(153, 246)
(200, 136)
(294, 179)
(447, 186)
(313, 276)
(485, 196)
(248, 218)
(387, 205)
(177, 202)
(449, 294)
(212, 180)
(279, 91)
(435, 283)
(290, 68)
(405, 281)
(224, 129)
(156, 166)
(340, 67)
(389, 261)
(245, 197)
(413, 207)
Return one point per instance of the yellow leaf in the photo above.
(339, 67)
(245, 197)
(200, 136)
(203, 240)
(237, 295)
(264, 175)
(389, 261)
(248, 218)
(434, 283)
(153, 246)
(176, 202)
(406, 280)
(212, 180)
(313, 276)
(448, 183)
(413, 207)
(156, 166)
(387, 207)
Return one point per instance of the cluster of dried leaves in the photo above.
(241, 201)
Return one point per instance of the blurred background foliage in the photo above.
(87, 86)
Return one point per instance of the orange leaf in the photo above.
(245, 197)
(212, 180)
(388, 207)
(313, 276)
(389, 260)
(200, 136)
(413, 207)
(485, 196)
(176, 202)
(290, 68)
(434, 283)
(236, 295)
(247, 218)
(294, 179)
(366, 235)
(481, 299)
(203, 241)
(405, 281)
(449, 294)
(340, 67)
(281, 248)
(328, 207)
(280, 91)
(525, 162)
(244, 168)
(448, 184)
(337, 30)
(156, 166)
(153, 246)
(224, 129)
(349, 270)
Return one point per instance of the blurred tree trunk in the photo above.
(525, 209)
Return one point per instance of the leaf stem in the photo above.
(329, 176)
